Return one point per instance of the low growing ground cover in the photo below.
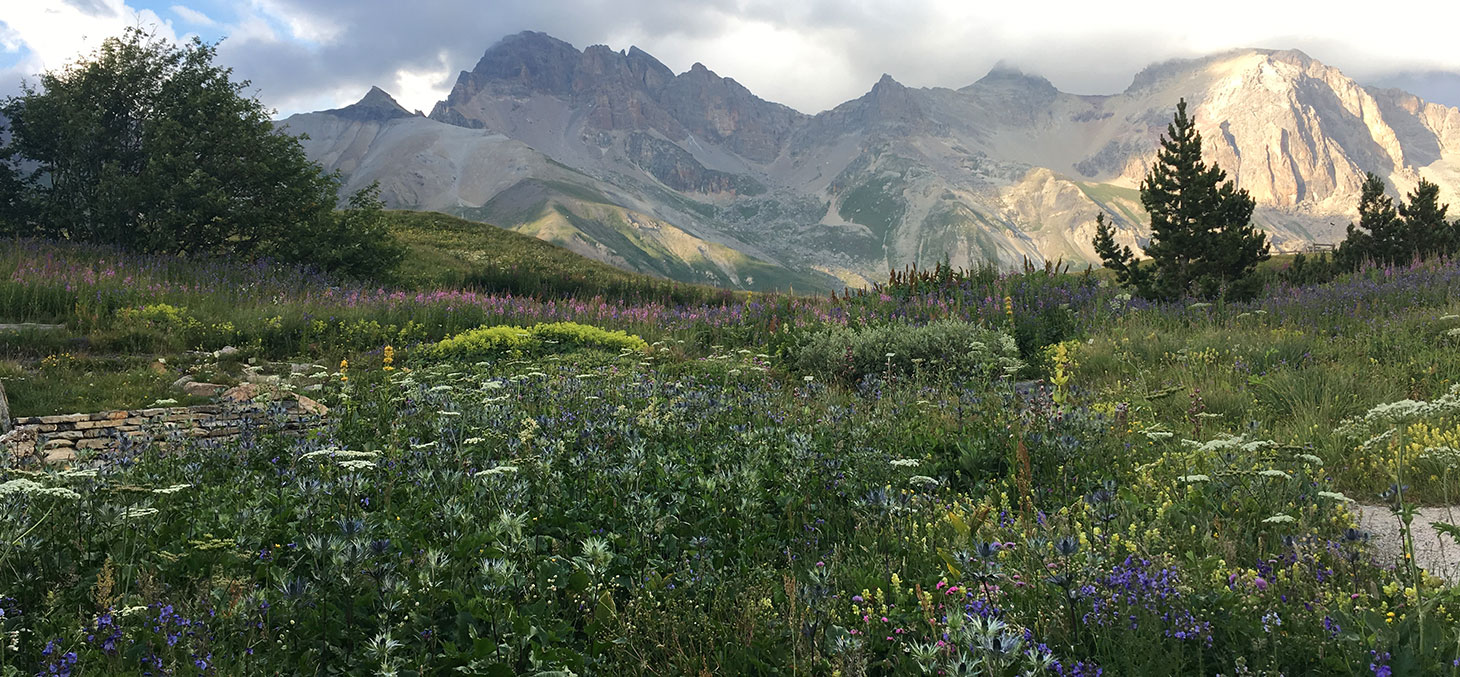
(1173, 495)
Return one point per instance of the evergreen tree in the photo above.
(1128, 272)
(1202, 242)
(1380, 235)
(1425, 229)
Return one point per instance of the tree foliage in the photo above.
(1202, 241)
(1386, 235)
(149, 146)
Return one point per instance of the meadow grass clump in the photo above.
(958, 349)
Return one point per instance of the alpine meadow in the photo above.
(602, 370)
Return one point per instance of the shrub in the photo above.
(542, 337)
(157, 326)
(587, 336)
(960, 350)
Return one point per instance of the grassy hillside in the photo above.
(446, 251)
(583, 220)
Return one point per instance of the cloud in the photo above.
(809, 54)
(97, 8)
(48, 35)
(192, 16)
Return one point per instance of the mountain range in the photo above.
(691, 176)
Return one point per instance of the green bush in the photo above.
(953, 348)
(542, 337)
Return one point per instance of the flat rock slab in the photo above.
(32, 326)
(1434, 552)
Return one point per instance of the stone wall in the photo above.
(58, 439)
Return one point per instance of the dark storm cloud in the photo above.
(373, 42)
(810, 54)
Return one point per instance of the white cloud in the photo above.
(192, 16)
(302, 25)
(421, 89)
(54, 34)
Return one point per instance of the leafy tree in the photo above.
(13, 207)
(149, 146)
(355, 241)
(1202, 242)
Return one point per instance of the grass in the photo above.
(445, 251)
(65, 384)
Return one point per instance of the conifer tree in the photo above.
(1202, 242)
(1425, 228)
(1379, 236)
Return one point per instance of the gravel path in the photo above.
(1435, 553)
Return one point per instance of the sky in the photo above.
(304, 55)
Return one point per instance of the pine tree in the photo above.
(1425, 229)
(1380, 235)
(1128, 272)
(1203, 242)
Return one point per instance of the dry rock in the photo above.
(203, 389)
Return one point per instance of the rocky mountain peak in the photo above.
(375, 106)
(529, 61)
(1005, 75)
(1005, 167)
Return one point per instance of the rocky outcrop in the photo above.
(621, 91)
(679, 170)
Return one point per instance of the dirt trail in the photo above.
(1435, 553)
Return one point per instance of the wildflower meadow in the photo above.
(973, 473)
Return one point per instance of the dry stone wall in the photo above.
(58, 439)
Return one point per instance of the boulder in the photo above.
(243, 392)
(60, 456)
(18, 443)
(197, 389)
(310, 406)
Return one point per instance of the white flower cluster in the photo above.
(357, 465)
(499, 470)
(1391, 413)
(33, 488)
(339, 454)
(1229, 442)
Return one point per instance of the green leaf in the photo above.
(1447, 529)
(606, 608)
